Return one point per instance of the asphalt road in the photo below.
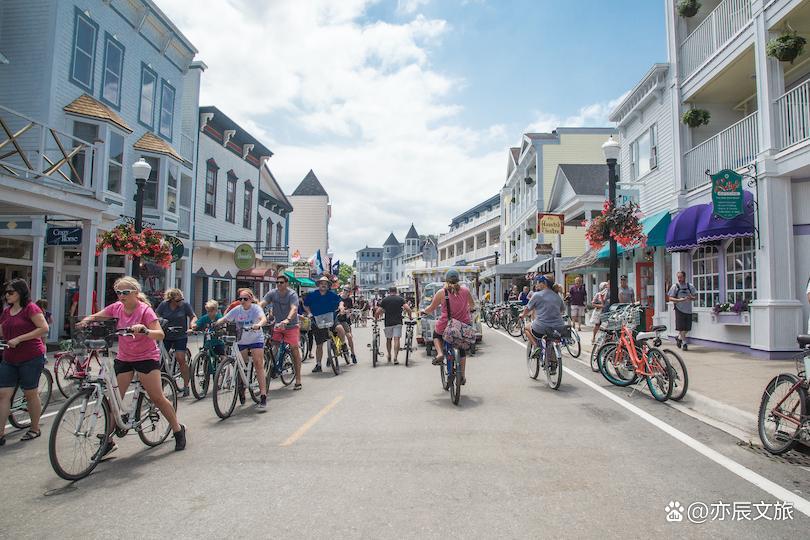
(382, 453)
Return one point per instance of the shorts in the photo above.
(25, 374)
(290, 336)
(393, 331)
(322, 334)
(577, 311)
(179, 344)
(251, 346)
(683, 321)
(346, 326)
(461, 352)
(563, 330)
(141, 366)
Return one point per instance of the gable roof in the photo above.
(586, 179)
(89, 107)
(391, 241)
(412, 233)
(310, 186)
(152, 143)
(515, 153)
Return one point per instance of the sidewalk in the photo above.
(726, 387)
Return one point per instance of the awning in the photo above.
(682, 232)
(520, 268)
(585, 261)
(255, 274)
(711, 228)
(301, 282)
(655, 228)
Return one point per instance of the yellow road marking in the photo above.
(311, 422)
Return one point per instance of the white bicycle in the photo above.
(231, 379)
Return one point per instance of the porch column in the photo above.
(101, 279)
(769, 71)
(87, 275)
(776, 314)
(37, 266)
(659, 279)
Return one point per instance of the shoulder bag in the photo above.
(457, 333)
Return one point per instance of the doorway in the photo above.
(645, 290)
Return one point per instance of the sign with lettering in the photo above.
(177, 247)
(727, 194)
(301, 271)
(550, 223)
(543, 249)
(244, 257)
(64, 236)
(275, 254)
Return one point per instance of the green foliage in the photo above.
(688, 8)
(786, 47)
(345, 274)
(696, 117)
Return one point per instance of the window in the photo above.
(230, 198)
(706, 276)
(146, 112)
(171, 189)
(115, 165)
(113, 70)
(83, 60)
(644, 153)
(247, 215)
(269, 239)
(740, 271)
(211, 188)
(87, 133)
(166, 110)
(185, 190)
(222, 291)
(279, 235)
(150, 190)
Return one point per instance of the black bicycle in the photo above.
(409, 325)
(375, 342)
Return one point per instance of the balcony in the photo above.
(732, 148)
(793, 116)
(717, 29)
(461, 229)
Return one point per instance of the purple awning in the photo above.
(711, 228)
(682, 232)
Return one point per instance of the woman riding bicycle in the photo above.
(461, 304)
(140, 353)
(22, 324)
(177, 312)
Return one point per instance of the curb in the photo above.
(736, 422)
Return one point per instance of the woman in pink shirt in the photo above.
(139, 354)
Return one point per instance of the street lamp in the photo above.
(611, 150)
(141, 171)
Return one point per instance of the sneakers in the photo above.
(180, 439)
(678, 342)
(261, 406)
(317, 369)
(396, 362)
(552, 367)
(439, 360)
(685, 347)
(107, 449)
(185, 392)
(297, 386)
(354, 359)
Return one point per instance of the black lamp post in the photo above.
(611, 150)
(141, 171)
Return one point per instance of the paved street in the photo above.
(383, 453)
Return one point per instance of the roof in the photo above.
(221, 122)
(310, 186)
(493, 201)
(89, 107)
(152, 143)
(653, 81)
(539, 136)
(412, 233)
(515, 153)
(391, 241)
(586, 179)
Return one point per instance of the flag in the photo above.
(336, 267)
(316, 263)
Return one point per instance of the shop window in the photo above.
(222, 291)
(741, 272)
(16, 249)
(706, 276)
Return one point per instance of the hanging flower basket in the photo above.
(620, 223)
(786, 47)
(148, 244)
(688, 8)
(696, 117)
(530, 231)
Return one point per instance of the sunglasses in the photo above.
(280, 281)
(10, 291)
(244, 299)
(126, 292)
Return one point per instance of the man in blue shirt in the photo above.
(323, 302)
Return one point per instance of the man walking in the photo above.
(392, 305)
(626, 293)
(576, 299)
(681, 295)
(523, 297)
(284, 305)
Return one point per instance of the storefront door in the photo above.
(645, 289)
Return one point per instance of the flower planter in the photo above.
(688, 8)
(786, 47)
(696, 117)
(731, 318)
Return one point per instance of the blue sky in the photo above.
(396, 104)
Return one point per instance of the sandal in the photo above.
(297, 386)
(31, 434)
(439, 360)
(2, 440)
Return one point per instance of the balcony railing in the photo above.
(722, 24)
(31, 150)
(792, 111)
(187, 147)
(732, 148)
(483, 218)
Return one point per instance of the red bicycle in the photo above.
(72, 367)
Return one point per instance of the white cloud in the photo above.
(385, 141)
(593, 115)
(410, 6)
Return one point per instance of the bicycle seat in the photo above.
(97, 344)
(409, 323)
(659, 328)
(804, 340)
(230, 340)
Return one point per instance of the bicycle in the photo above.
(327, 322)
(513, 324)
(278, 361)
(549, 359)
(572, 343)
(450, 370)
(168, 362)
(305, 324)
(783, 419)
(375, 341)
(82, 427)
(18, 413)
(71, 367)
(204, 365)
(409, 324)
(232, 378)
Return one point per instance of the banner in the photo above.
(550, 223)
(727, 194)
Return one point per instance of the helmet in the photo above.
(452, 276)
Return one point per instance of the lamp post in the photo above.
(141, 171)
(611, 150)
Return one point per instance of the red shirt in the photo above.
(17, 325)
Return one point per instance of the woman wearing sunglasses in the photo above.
(22, 324)
(250, 318)
(141, 353)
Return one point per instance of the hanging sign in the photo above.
(550, 223)
(727, 194)
(177, 247)
(244, 257)
(64, 236)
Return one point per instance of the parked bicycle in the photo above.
(408, 344)
(18, 413)
(375, 341)
(572, 341)
(71, 367)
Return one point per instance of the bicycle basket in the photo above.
(305, 323)
(611, 322)
(101, 329)
(327, 320)
(229, 329)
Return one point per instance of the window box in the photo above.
(729, 317)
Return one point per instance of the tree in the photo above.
(345, 274)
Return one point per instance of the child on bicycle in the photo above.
(206, 322)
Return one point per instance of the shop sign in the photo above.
(244, 257)
(727, 194)
(624, 196)
(275, 254)
(177, 247)
(301, 271)
(63, 236)
(550, 223)
(543, 249)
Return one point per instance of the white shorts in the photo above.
(393, 331)
(577, 311)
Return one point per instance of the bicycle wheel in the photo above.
(334, 357)
(152, 426)
(595, 346)
(514, 327)
(78, 435)
(408, 343)
(287, 369)
(573, 345)
(199, 376)
(375, 350)
(455, 383)
(781, 411)
(680, 378)
(64, 368)
(532, 362)
(553, 366)
(225, 383)
(443, 372)
(19, 418)
(253, 382)
(660, 382)
(303, 345)
(615, 364)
